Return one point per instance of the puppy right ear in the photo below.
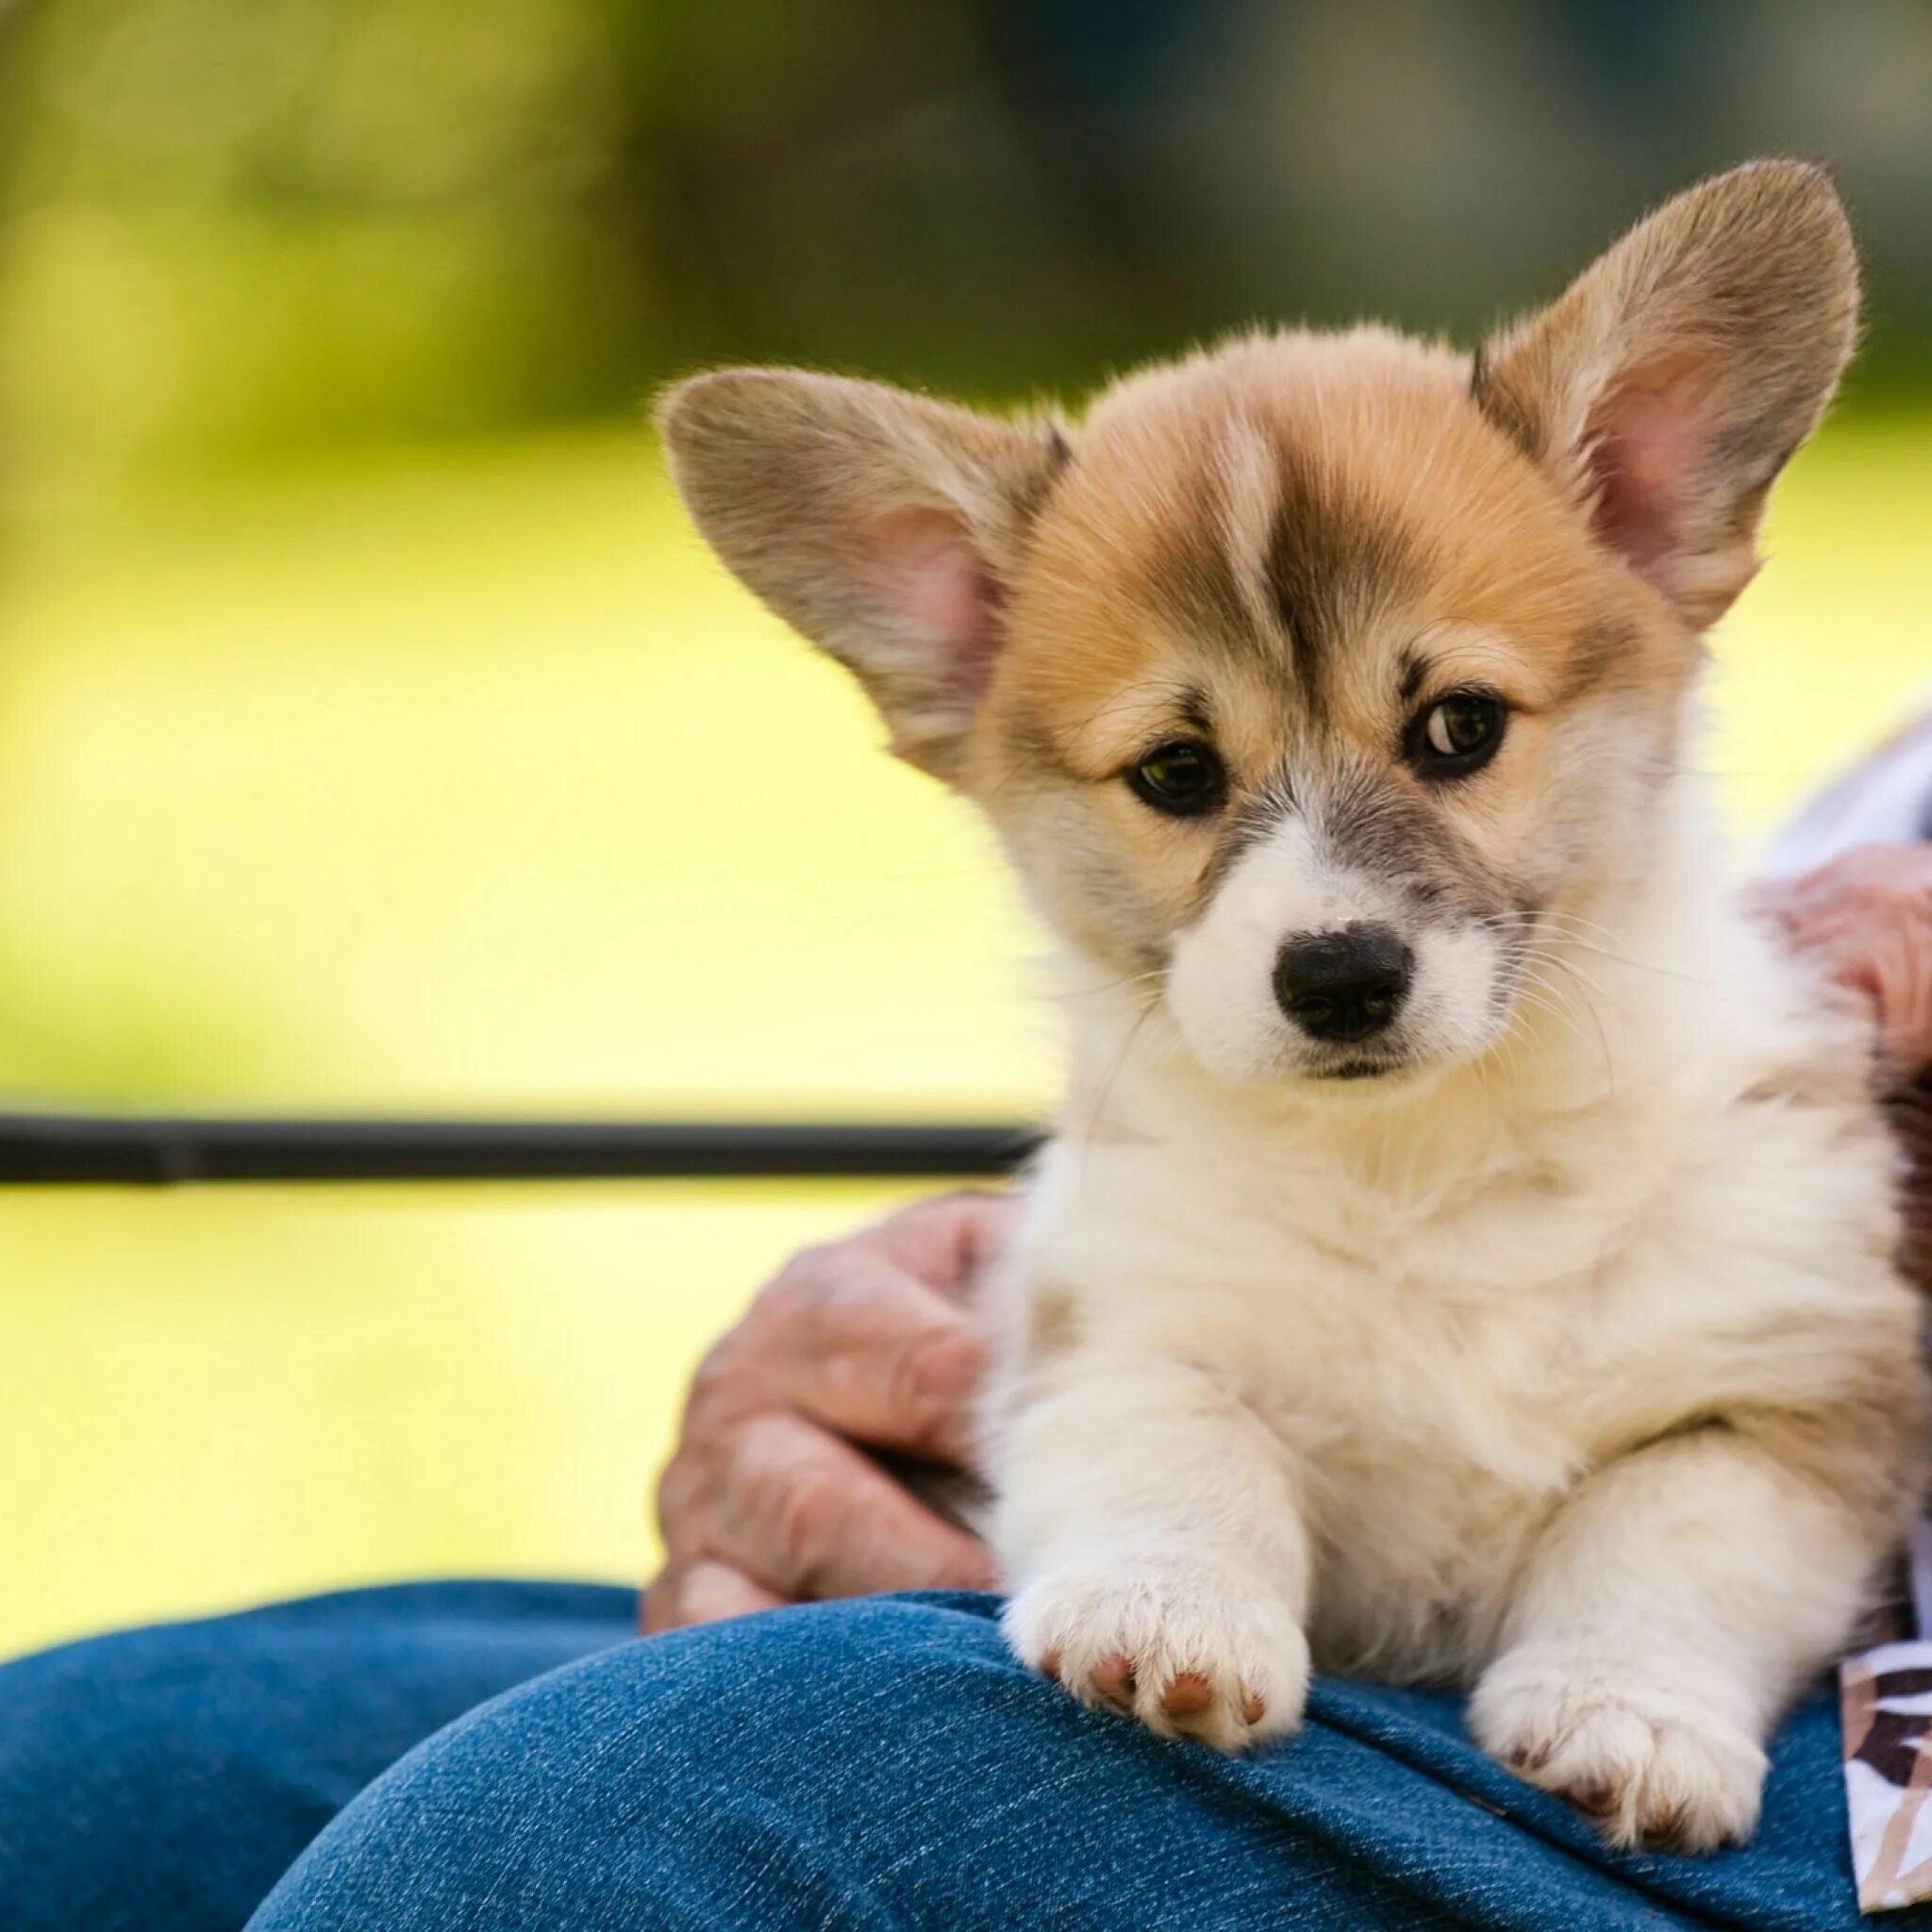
(1666, 390)
(887, 527)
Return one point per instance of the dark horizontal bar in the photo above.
(150, 1150)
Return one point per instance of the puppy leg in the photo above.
(1667, 1615)
(1154, 1545)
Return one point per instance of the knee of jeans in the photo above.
(653, 1771)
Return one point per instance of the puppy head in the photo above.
(1309, 677)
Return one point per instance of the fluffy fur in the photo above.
(1551, 1341)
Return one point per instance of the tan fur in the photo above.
(1053, 1317)
(1112, 616)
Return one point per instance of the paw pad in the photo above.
(1191, 1654)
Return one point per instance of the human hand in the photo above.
(769, 1498)
(1868, 917)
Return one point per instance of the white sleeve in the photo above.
(1887, 796)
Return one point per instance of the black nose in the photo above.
(1343, 985)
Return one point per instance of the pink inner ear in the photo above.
(942, 595)
(1647, 436)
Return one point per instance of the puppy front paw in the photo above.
(1197, 1649)
(1648, 1759)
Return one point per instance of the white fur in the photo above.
(1418, 1375)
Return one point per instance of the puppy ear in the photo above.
(1668, 386)
(885, 526)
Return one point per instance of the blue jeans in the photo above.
(874, 1764)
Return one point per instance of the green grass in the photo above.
(467, 782)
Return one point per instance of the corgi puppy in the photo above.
(1466, 1252)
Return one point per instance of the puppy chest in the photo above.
(1425, 1475)
(1424, 1428)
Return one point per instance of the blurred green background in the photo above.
(374, 736)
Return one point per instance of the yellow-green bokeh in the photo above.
(222, 1395)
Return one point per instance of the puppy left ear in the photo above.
(1671, 384)
(888, 527)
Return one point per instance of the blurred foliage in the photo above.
(230, 228)
(239, 224)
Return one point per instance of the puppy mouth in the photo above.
(1359, 1067)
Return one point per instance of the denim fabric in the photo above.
(873, 1764)
(162, 1780)
(884, 1764)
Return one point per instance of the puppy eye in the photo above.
(1183, 779)
(1457, 735)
